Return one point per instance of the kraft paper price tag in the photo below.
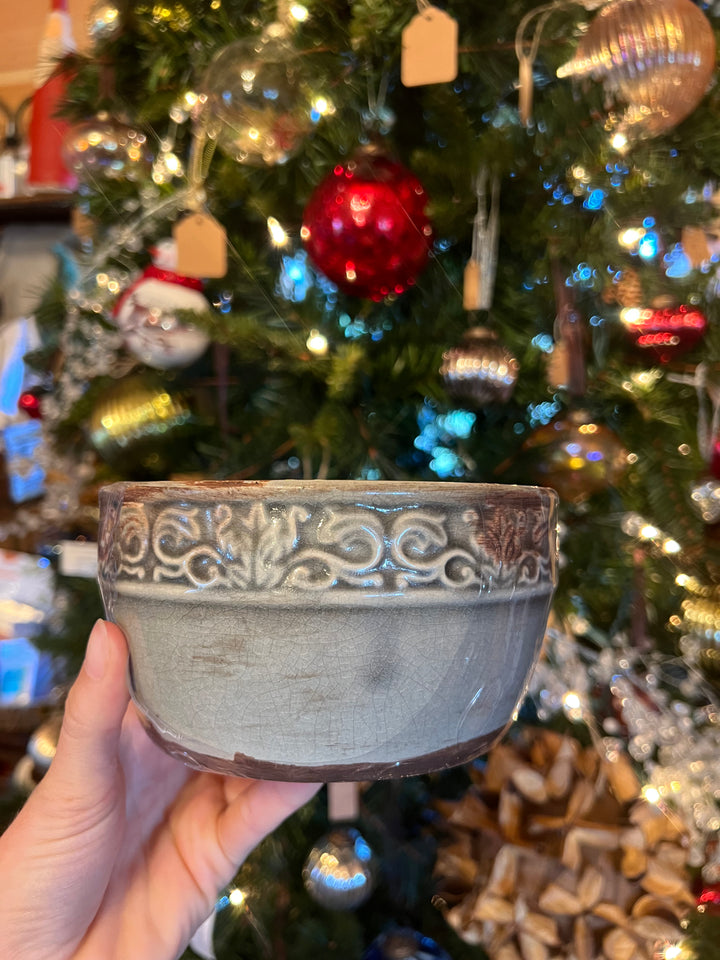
(472, 286)
(558, 366)
(429, 49)
(201, 246)
(695, 244)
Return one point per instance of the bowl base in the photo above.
(242, 766)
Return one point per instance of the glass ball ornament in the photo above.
(404, 943)
(664, 333)
(480, 370)
(705, 499)
(365, 226)
(654, 57)
(253, 102)
(105, 147)
(576, 456)
(340, 870)
(103, 21)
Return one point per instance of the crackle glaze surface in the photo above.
(328, 630)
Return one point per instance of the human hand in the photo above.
(120, 851)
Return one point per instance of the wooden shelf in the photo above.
(37, 208)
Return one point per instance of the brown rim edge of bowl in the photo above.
(243, 766)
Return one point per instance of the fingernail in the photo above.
(96, 654)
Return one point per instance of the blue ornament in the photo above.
(404, 943)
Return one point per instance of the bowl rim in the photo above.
(210, 489)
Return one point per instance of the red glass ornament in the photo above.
(715, 459)
(708, 900)
(30, 404)
(666, 332)
(366, 229)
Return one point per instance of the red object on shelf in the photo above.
(47, 131)
(366, 229)
(29, 403)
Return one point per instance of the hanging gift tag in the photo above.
(525, 90)
(472, 286)
(201, 246)
(558, 366)
(695, 244)
(429, 48)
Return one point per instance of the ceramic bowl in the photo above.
(320, 630)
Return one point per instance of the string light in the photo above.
(299, 12)
(277, 234)
(651, 794)
(317, 343)
(236, 897)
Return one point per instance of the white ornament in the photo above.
(147, 313)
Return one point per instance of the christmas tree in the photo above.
(485, 257)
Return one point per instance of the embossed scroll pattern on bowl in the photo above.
(264, 545)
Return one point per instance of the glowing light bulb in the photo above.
(630, 237)
(619, 142)
(648, 532)
(299, 12)
(671, 546)
(651, 794)
(236, 897)
(317, 343)
(277, 234)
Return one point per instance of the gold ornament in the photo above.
(655, 57)
(701, 625)
(134, 411)
(576, 456)
(626, 290)
(552, 853)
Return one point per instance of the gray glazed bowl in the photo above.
(321, 630)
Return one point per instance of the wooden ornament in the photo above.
(201, 246)
(429, 49)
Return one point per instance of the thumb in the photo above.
(85, 767)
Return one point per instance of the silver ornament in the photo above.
(705, 499)
(480, 369)
(104, 20)
(340, 870)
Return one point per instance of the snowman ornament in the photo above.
(147, 313)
